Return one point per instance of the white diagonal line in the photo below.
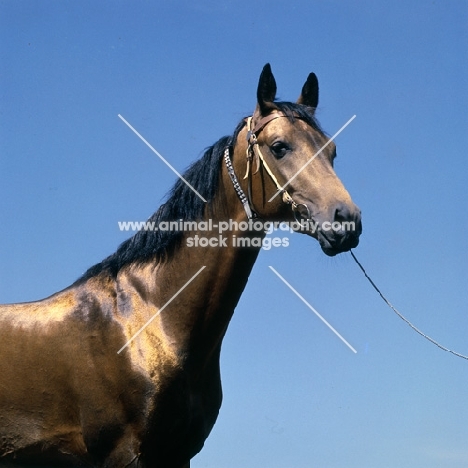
(312, 158)
(161, 309)
(312, 309)
(161, 157)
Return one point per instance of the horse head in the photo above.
(290, 174)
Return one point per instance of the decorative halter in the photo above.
(254, 152)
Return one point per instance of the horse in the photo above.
(121, 369)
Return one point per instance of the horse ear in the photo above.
(266, 91)
(310, 92)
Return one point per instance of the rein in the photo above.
(417, 330)
(254, 152)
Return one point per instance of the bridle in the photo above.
(254, 153)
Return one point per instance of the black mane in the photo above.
(183, 203)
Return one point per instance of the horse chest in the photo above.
(181, 417)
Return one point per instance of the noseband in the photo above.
(254, 152)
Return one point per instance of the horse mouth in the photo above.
(337, 244)
(329, 250)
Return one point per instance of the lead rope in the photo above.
(417, 330)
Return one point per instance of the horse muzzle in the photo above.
(336, 232)
(341, 232)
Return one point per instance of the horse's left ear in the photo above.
(310, 92)
(266, 91)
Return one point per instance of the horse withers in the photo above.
(121, 369)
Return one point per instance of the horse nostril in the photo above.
(342, 213)
(347, 220)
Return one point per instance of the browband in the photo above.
(262, 122)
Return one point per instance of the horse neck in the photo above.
(198, 316)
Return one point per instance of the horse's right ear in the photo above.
(266, 91)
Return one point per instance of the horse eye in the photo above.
(279, 149)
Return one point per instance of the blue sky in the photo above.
(183, 73)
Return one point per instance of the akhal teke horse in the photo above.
(69, 397)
